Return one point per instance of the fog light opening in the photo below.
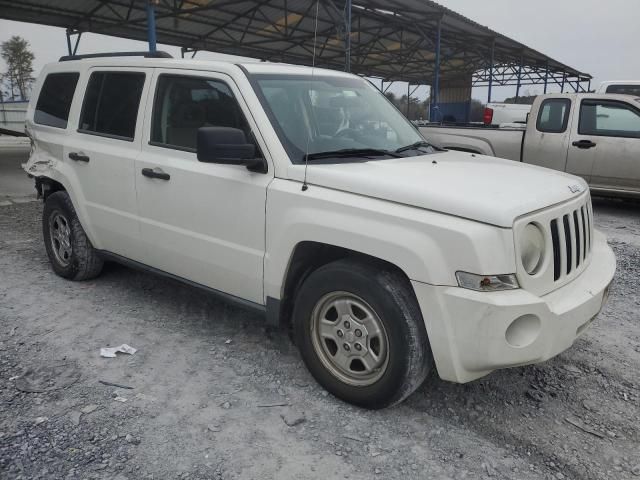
(523, 331)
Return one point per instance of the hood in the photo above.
(486, 189)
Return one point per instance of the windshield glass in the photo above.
(633, 89)
(332, 113)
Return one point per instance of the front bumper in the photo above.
(473, 333)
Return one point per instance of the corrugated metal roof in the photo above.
(390, 39)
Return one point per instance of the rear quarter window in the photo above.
(54, 101)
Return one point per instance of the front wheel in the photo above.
(361, 333)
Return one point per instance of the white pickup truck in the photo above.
(305, 195)
(505, 113)
(594, 136)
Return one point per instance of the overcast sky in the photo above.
(595, 36)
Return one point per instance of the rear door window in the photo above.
(111, 104)
(54, 102)
(609, 119)
(553, 115)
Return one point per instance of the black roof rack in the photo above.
(158, 54)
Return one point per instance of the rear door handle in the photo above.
(78, 157)
(583, 144)
(155, 173)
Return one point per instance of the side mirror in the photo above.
(227, 146)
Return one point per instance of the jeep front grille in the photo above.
(571, 238)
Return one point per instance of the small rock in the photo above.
(636, 470)
(293, 418)
(572, 369)
(535, 395)
(377, 471)
(131, 439)
(214, 428)
(226, 405)
(489, 469)
(559, 476)
(75, 417)
(89, 409)
(227, 341)
(40, 420)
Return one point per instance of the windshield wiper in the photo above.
(351, 152)
(414, 146)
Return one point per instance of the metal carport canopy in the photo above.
(390, 39)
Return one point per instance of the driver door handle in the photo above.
(155, 173)
(583, 144)
(78, 157)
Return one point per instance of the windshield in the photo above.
(327, 114)
(633, 89)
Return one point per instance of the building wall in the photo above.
(12, 115)
(454, 100)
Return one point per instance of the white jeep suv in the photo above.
(305, 194)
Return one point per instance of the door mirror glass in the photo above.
(226, 145)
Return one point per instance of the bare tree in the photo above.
(19, 60)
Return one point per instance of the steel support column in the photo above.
(151, 25)
(435, 91)
(564, 78)
(519, 77)
(347, 36)
(408, 97)
(74, 49)
(546, 77)
(493, 47)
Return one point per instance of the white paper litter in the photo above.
(110, 352)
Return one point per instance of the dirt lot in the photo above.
(213, 391)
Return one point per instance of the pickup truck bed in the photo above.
(495, 142)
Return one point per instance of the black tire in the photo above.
(390, 296)
(83, 262)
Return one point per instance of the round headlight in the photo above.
(532, 248)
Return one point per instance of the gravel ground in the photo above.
(216, 395)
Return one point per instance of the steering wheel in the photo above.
(348, 132)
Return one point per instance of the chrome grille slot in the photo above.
(557, 260)
(577, 229)
(585, 234)
(568, 241)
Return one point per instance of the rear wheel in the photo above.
(69, 250)
(361, 334)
